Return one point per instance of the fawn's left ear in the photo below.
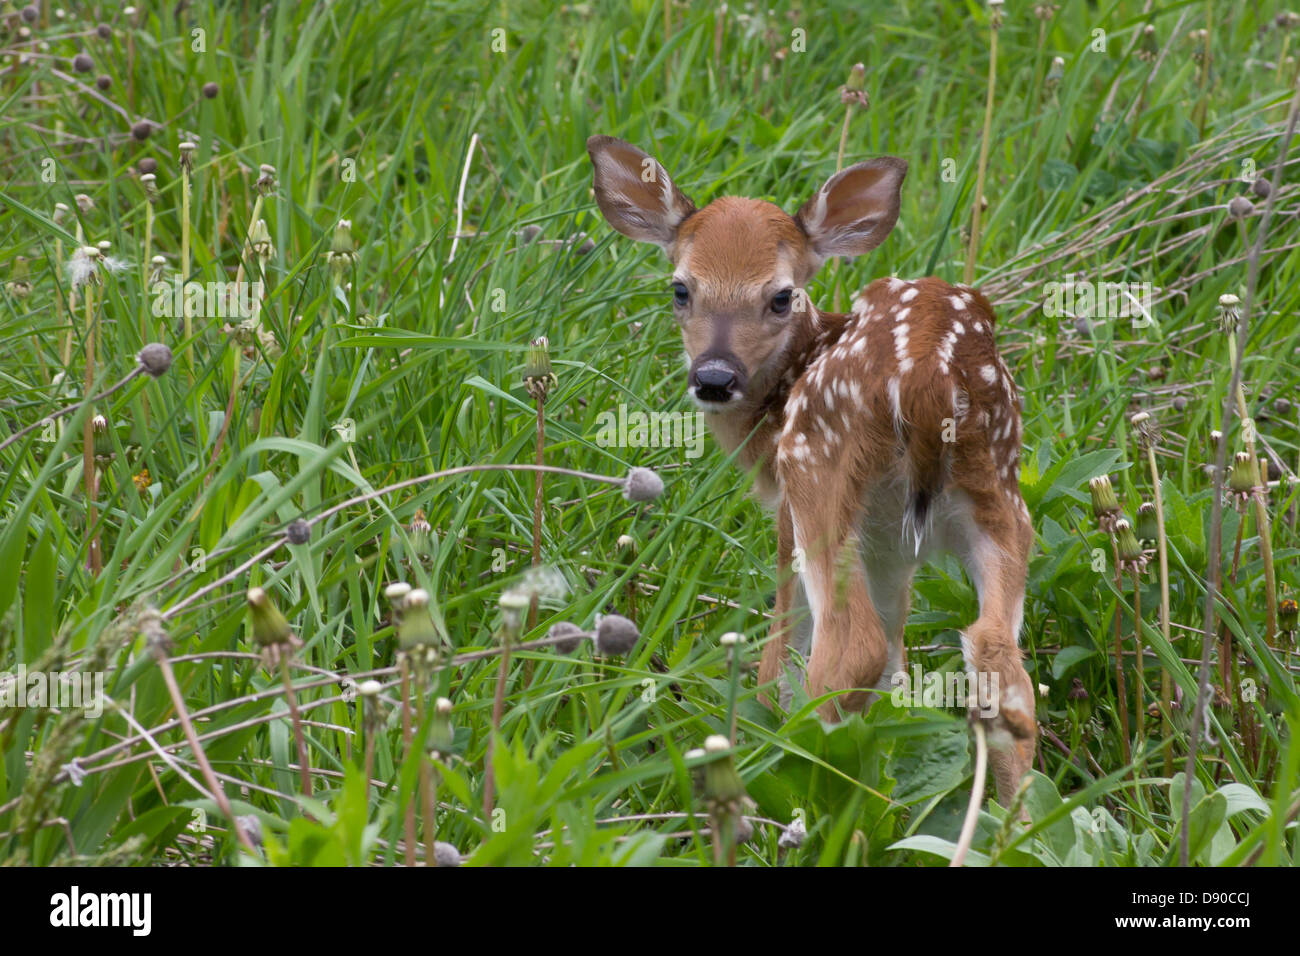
(855, 210)
(635, 194)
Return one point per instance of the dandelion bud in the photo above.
(854, 91)
(626, 546)
(615, 635)
(60, 213)
(513, 604)
(18, 285)
(187, 151)
(642, 484)
(259, 238)
(269, 625)
(568, 637)
(722, 783)
(538, 377)
(1056, 73)
(1131, 556)
(266, 179)
(84, 203)
(372, 705)
(1147, 48)
(342, 254)
(415, 628)
(1243, 481)
(421, 533)
(1147, 527)
(1287, 613)
(150, 183)
(396, 594)
(441, 734)
(102, 440)
(1105, 506)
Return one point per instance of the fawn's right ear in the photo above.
(635, 194)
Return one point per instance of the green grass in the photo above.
(413, 362)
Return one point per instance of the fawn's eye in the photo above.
(681, 295)
(781, 301)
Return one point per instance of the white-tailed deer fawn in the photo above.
(877, 437)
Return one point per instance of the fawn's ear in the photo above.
(634, 192)
(855, 210)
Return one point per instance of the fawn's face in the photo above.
(740, 265)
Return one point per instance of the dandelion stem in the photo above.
(969, 270)
(409, 849)
(214, 785)
(1162, 550)
(88, 437)
(1121, 690)
(498, 706)
(291, 699)
(976, 797)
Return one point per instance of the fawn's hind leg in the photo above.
(998, 537)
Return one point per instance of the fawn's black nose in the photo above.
(714, 381)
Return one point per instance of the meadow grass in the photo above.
(450, 140)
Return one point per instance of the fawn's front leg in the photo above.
(776, 651)
(849, 650)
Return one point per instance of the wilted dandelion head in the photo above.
(1105, 506)
(1240, 207)
(642, 484)
(266, 179)
(1145, 430)
(1131, 558)
(1229, 313)
(615, 635)
(567, 637)
(1243, 482)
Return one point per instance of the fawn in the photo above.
(877, 436)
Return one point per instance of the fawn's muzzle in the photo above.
(714, 379)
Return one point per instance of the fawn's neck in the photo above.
(763, 416)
